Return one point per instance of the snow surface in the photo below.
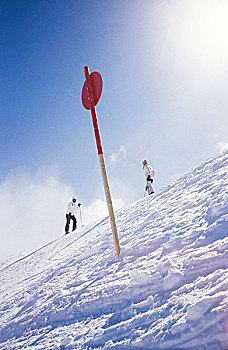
(168, 289)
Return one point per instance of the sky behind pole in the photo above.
(164, 66)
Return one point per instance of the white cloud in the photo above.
(94, 211)
(120, 156)
(32, 209)
(98, 210)
(33, 206)
(222, 146)
(123, 192)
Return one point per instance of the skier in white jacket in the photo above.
(71, 215)
(149, 174)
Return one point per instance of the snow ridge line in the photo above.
(30, 254)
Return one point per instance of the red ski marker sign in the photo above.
(91, 93)
(97, 84)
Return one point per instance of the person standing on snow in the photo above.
(71, 215)
(149, 174)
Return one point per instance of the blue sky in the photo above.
(164, 65)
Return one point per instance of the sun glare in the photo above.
(210, 31)
(194, 33)
(204, 32)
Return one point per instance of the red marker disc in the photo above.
(97, 85)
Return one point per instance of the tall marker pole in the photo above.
(91, 93)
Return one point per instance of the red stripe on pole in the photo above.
(96, 131)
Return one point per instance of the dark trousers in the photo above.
(149, 187)
(68, 218)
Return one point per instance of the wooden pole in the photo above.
(109, 204)
(102, 162)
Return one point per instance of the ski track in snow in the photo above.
(168, 289)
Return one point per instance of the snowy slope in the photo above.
(168, 289)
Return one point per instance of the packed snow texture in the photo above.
(168, 289)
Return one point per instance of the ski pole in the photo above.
(79, 204)
(145, 191)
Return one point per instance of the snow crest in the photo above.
(166, 290)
